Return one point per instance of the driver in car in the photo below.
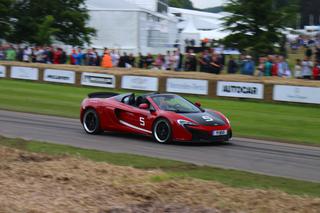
(163, 103)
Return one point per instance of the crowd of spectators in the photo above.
(207, 61)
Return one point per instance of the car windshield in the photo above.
(175, 103)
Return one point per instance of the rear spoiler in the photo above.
(102, 95)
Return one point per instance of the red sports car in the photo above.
(166, 117)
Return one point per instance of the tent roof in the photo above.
(190, 28)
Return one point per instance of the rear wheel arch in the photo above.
(91, 121)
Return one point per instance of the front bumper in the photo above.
(199, 135)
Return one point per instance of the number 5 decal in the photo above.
(142, 122)
(207, 118)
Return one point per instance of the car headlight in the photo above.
(186, 123)
(228, 121)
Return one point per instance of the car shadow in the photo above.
(144, 138)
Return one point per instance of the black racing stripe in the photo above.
(205, 118)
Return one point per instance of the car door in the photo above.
(138, 120)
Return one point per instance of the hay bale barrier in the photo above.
(197, 83)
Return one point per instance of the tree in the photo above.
(45, 31)
(5, 25)
(185, 4)
(40, 20)
(256, 25)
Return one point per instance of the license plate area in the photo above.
(219, 132)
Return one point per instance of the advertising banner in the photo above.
(296, 94)
(240, 89)
(188, 86)
(59, 76)
(139, 83)
(27, 73)
(98, 80)
(2, 71)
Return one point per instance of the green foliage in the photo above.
(214, 9)
(5, 26)
(185, 4)
(40, 20)
(256, 25)
(46, 31)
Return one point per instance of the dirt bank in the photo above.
(34, 183)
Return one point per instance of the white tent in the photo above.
(126, 26)
(190, 32)
(214, 34)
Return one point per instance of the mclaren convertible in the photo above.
(165, 117)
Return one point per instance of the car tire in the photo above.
(162, 131)
(91, 122)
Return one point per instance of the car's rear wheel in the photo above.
(162, 131)
(91, 122)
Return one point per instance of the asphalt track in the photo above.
(272, 158)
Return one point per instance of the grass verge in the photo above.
(173, 169)
(294, 123)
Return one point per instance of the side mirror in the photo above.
(197, 104)
(144, 106)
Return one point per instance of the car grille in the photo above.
(203, 136)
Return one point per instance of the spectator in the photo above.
(248, 66)
(283, 67)
(80, 56)
(26, 56)
(115, 58)
(149, 61)
(316, 71)
(158, 63)
(298, 69)
(142, 61)
(131, 60)
(57, 56)
(167, 62)
(204, 61)
(98, 59)
(215, 64)
(268, 66)
(10, 54)
(180, 60)
(232, 66)
(261, 69)
(73, 57)
(63, 58)
(274, 69)
(91, 58)
(191, 61)
(106, 60)
(39, 54)
(2, 53)
(307, 66)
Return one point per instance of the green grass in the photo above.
(173, 169)
(294, 123)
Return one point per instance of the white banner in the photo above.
(139, 83)
(27, 73)
(98, 80)
(2, 71)
(240, 89)
(189, 86)
(59, 76)
(296, 94)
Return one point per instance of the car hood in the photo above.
(207, 118)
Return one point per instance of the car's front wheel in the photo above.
(91, 122)
(162, 131)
